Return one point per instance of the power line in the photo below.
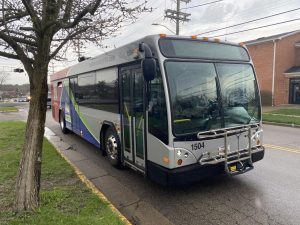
(245, 14)
(255, 28)
(264, 6)
(250, 21)
(202, 4)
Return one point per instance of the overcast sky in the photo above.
(204, 18)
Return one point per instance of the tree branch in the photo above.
(24, 41)
(8, 55)
(68, 8)
(17, 16)
(88, 9)
(35, 20)
(68, 38)
(19, 51)
(22, 34)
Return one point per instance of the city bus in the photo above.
(177, 109)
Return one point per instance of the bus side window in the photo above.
(74, 88)
(157, 113)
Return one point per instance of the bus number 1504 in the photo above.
(197, 146)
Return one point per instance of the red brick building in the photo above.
(277, 63)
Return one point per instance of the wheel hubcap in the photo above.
(112, 147)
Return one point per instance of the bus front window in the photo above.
(209, 96)
(239, 92)
(194, 96)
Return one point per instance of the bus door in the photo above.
(74, 105)
(133, 115)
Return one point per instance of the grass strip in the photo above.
(267, 117)
(8, 109)
(65, 200)
(291, 112)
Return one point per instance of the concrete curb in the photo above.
(85, 180)
(281, 124)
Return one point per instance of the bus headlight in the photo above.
(183, 157)
(179, 152)
(257, 136)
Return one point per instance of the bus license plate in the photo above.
(233, 168)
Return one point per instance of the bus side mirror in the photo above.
(148, 63)
(149, 68)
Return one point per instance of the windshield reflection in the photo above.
(194, 96)
(239, 94)
(201, 102)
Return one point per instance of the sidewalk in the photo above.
(128, 203)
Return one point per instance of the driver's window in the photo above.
(157, 112)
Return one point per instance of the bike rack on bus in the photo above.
(237, 162)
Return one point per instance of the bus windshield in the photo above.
(208, 96)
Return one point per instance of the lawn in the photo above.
(65, 200)
(293, 112)
(287, 116)
(8, 109)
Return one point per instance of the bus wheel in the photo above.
(62, 123)
(113, 147)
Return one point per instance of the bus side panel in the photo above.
(55, 101)
(83, 127)
(78, 122)
(93, 120)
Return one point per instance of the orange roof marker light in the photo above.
(242, 43)
(217, 40)
(194, 37)
(162, 35)
(205, 38)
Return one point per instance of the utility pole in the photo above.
(177, 15)
(177, 19)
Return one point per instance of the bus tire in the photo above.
(62, 123)
(113, 147)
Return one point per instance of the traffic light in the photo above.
(18, 70)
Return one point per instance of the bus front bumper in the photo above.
(189, 174)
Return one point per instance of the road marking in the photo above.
(282, 148)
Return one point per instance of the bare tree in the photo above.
(35, 32)
(4, 76)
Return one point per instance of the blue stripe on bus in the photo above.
(75, 118)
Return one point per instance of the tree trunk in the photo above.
(28, 179)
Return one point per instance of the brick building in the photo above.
(277, 63)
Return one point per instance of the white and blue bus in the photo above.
(176, 109)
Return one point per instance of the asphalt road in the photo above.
(269, 194)
(21, 115)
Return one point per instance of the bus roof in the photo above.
(123, 54)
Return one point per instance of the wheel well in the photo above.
(59, 112)
(104, 128)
